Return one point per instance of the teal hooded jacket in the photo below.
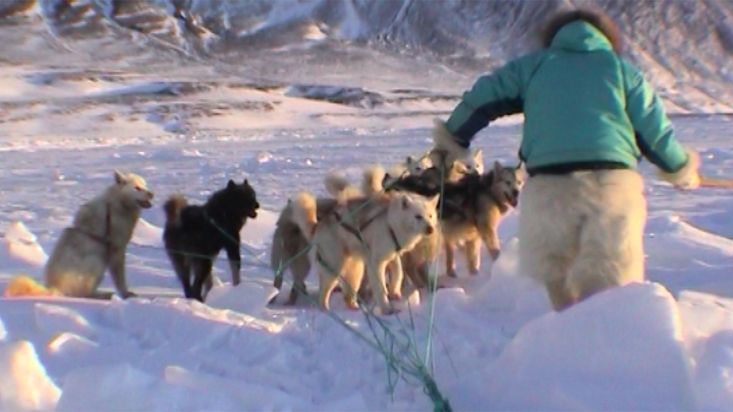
(583, 107)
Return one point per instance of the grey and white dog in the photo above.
(97, 240)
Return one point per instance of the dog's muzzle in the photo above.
(145, 203)
(513, 198)
(429, 230)
(253, 212)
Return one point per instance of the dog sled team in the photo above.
(393, 224)
(589, 117)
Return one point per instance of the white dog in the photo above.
(371, 231)
(98, 240)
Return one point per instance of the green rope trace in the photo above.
(400, 350)
(433, 285)
(403, 360)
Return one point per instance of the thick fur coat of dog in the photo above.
(367, 232)
(415, 262)
(289, 243)
(475, 218)
(23, 285)
(194, 235)
(471, 207)
(289, 248)
(97, 240)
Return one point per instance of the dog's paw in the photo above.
(128, 294)
(494, 254)
(394, 296)
(102, 295)
(273, 300)
(451, 273)
(386, 310)
(351, 304)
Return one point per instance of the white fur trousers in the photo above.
(582, 232)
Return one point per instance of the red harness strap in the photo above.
(716, 182)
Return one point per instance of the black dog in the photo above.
(194, 235)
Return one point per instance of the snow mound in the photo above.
(619, 350)
(703, 237)
(65, 343)
(122, 387)
(247, 297)
(21, 248)
(258, 232)
(25, 385)
(147, 234)
(57, 319)
(709, 335)
(248, 395)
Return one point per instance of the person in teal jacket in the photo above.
(589, 117)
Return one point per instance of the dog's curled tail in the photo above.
(173, 207)
(304, 213)
(27, 286)
(338, 187)
(373, 182)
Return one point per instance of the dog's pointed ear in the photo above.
(497, 166)
(246, 182)
(478, 156)
(231, 184)
(119, 177)
(461, 167)
(520, 171)
(433, 201)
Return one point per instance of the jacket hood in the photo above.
(580, 36)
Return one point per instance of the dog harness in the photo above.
(357, 234)
(105, 240)
(357, 231)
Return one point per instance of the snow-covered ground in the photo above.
(81, 97)
(666, 344)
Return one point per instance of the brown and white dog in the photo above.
(471, 209)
